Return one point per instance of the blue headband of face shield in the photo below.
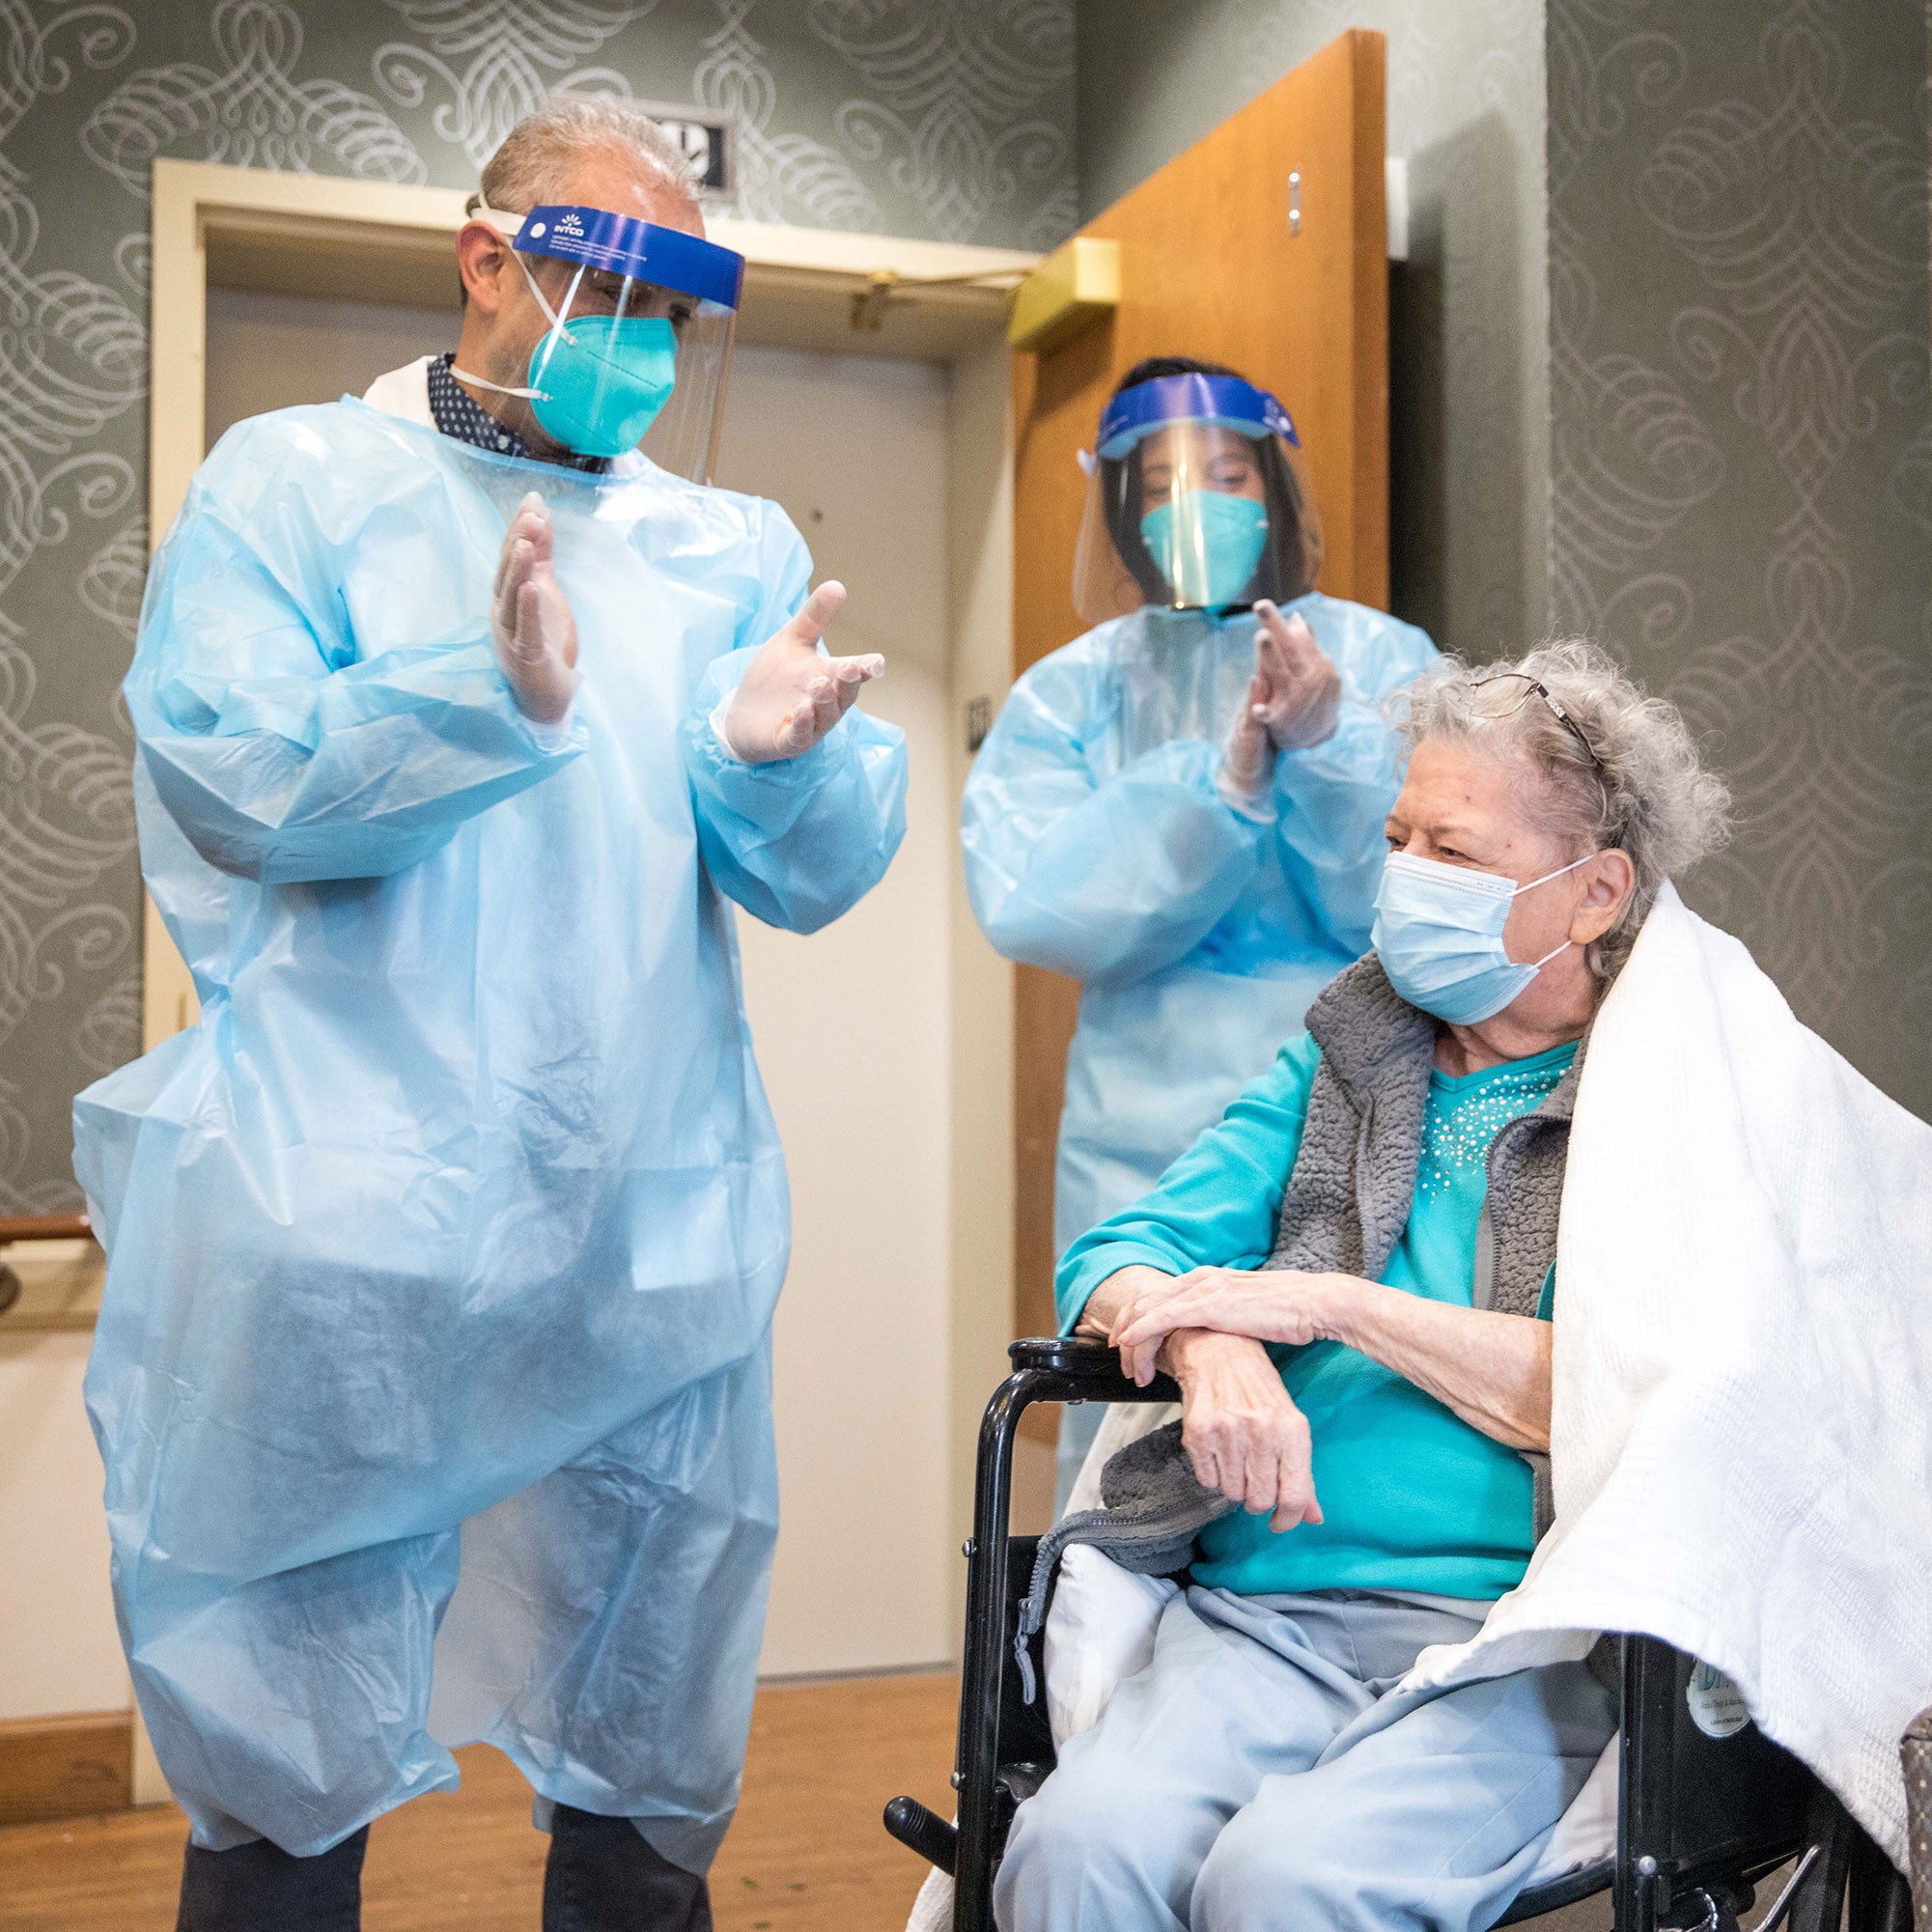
(595, 237)
(1223, 402)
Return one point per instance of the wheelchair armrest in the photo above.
(1089, 1371)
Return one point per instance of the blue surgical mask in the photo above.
(1207, 544)
(595, 383)
(1439, 935)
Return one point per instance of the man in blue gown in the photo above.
(433, 1376)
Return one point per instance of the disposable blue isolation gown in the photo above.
(1096, 845)
(455, 1225)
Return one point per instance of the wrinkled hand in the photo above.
(1241, 1428)
(1300, 690)
(791, 696)
(530, 621)
(1277, 1304)
(1140, 1293)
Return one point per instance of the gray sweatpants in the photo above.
(1260, 1772)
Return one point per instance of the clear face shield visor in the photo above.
(638, 347)
(1198, 500)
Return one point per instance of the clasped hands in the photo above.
(789, 698)
(1265, 1305)
(1294, 701)
(1240, 1426)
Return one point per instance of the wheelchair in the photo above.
(1702, 1821)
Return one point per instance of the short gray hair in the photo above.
(538, 156)
(1628, 776)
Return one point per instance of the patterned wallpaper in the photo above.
(949, 119)
(1740, 451)
(1741, 491)
(1468, 385)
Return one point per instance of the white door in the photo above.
(851, 1027)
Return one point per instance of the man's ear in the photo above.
(483, 257)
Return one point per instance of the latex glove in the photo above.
(1247, 765)
(1300, 689)
(791, 696)
(530, 620)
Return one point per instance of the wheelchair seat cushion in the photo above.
(1155, 1506)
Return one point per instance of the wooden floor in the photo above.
(807, 1853)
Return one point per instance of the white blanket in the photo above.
(1742, 1421)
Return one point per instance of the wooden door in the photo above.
(1222, 257)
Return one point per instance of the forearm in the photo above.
(1333, 802)
(353, 774)
(1113, 882)
(1491, 1370)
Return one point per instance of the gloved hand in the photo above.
(530, 619)
(790, 697)
(1247, 765)
(1304, 691)
(1294, 701)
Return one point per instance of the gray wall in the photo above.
(1742, 457)
(911, 117)
(1469, 378)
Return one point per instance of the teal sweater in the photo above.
(1414, 1498)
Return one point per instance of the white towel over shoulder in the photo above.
(1743, 1403)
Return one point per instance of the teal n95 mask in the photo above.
(597, 383)
(637, 350)
(1206, 543)
(1439, 935)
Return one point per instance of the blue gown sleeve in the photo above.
(1218, 1205)
(800, 840)
(1333, 799)
(281, 752)
(1106, 879)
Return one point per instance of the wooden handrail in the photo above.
(45, 1227)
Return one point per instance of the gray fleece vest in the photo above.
(1348, 1197)
(1343, 1210)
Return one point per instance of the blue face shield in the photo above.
(1439, 935)
(639, 343)
(1207, 544)
(1198, 500)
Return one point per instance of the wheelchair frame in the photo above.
(1702, 1821)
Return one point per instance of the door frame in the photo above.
(946, 301)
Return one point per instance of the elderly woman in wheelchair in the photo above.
(1352, 1279)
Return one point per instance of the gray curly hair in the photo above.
(535, 159)
(1617, 769)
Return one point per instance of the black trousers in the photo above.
(602, 1876)
(259, 1887)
